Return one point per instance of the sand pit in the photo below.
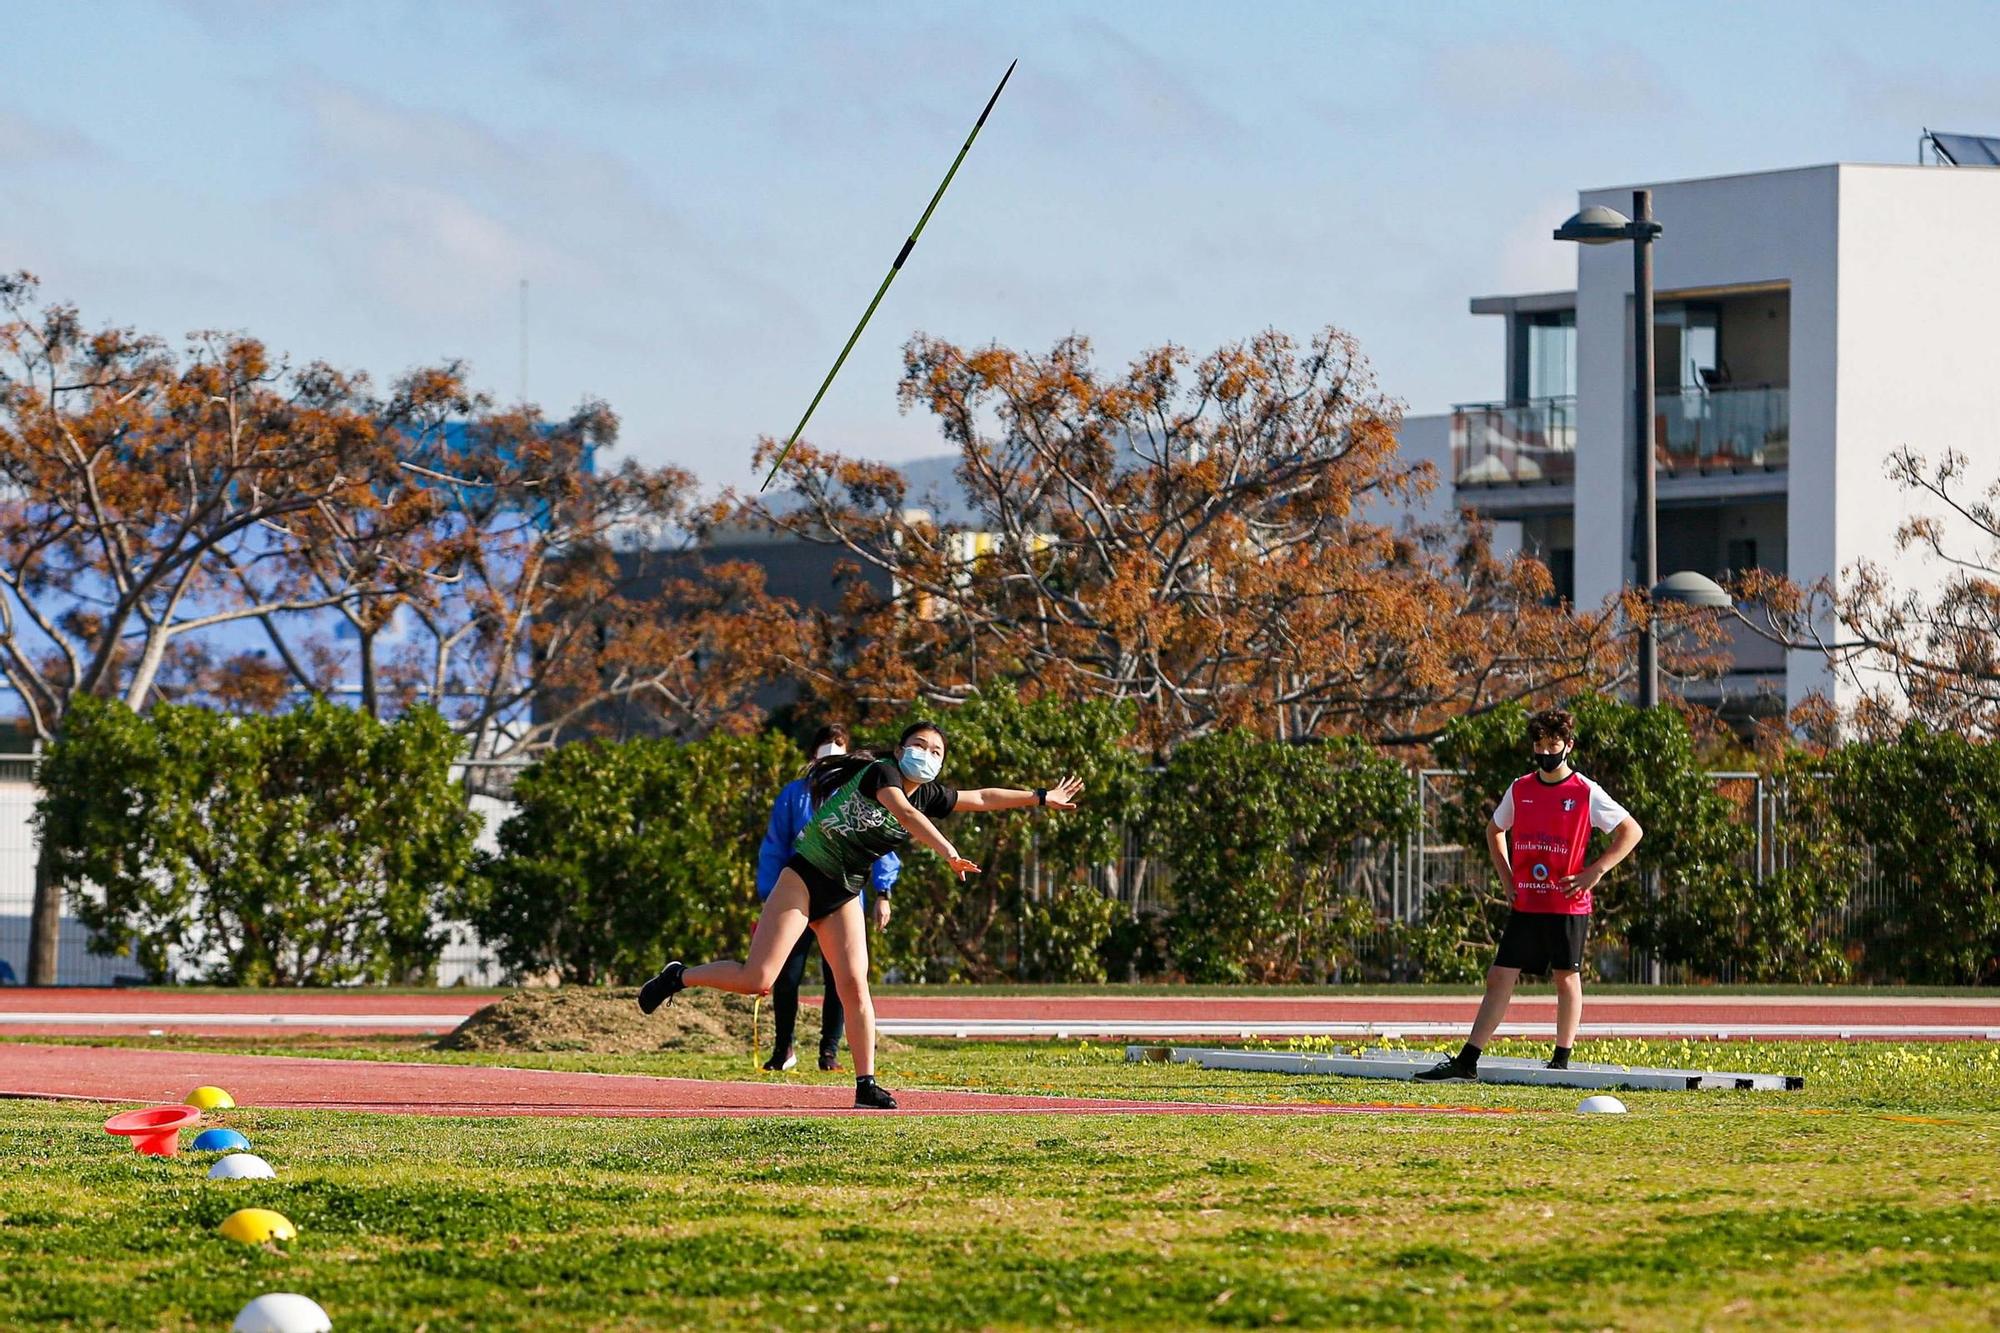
(606, 1020)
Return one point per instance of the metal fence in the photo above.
(1397, 878)
(1394, 878)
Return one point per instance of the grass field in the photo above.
(1870, 1198)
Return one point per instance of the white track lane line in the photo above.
(125, 1018)
(1074, 1027)
(971, 1028)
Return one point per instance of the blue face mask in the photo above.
(920, 765)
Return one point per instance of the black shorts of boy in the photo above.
(825, 894)
(1542, 942)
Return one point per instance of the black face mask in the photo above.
(1549, 763)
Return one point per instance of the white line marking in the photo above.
(975, 1028)
(72, 1018)
(1002, 1027)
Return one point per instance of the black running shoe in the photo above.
(1449, 1071)
(872, 1096)
(778, 1064)
(662, 988)
(829, 1064)
(1554, 1063)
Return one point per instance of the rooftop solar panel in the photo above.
(1967, 150)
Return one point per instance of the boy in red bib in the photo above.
(1538, 840)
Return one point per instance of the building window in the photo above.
(1562, 572)
(1551, 354)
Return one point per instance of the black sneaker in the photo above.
(1554, 1063)
(662, 988)
(829, 1064)
(778, 1064)
(1449, 1071)
(872, 1096)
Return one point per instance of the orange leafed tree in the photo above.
(540, 592)
(151, 496)
(145, 491)
(1211, 537)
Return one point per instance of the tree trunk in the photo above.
(368, 702)
(44, 926)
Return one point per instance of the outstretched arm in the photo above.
(1062, 796)
(896, 803)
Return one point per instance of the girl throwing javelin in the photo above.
(866, 807)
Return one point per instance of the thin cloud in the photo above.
(1928, 98)
(1517, 78)
(443, 215)
(27, 141)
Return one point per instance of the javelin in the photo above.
(894, 269)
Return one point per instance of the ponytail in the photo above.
(826, 776)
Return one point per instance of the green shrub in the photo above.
(305, 848)
(622, 855)
(1929, 805)
(1063, 935)
(1254, 831)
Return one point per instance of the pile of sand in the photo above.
(590, 1018)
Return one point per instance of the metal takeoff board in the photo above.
(1406, 1065)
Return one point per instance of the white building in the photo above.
(1808, 322)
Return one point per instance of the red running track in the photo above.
(112, 1074)
(244, 1013)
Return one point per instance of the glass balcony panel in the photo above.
(1514, 444)
(1723, 430)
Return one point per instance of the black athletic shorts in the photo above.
(1539, 942)
(825, 894)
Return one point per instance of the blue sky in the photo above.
(703, 196)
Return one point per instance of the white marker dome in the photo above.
(241, 1166)
(282, 1312)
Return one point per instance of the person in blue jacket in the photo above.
(789, 815)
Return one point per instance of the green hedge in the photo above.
(621, 856)
(1254, 831)
(322, 847)
(1928, 803)
(307, 848)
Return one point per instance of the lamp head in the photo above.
(1596, 225)
(1688, 588)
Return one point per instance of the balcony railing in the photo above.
(1696, 431)
(1514, 444)
(1724, 430)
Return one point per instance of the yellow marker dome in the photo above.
(210, 1099)
(255, 1226)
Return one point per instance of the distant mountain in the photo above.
(933, 485)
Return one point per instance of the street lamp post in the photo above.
(1647, 554)
(1598, 225)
